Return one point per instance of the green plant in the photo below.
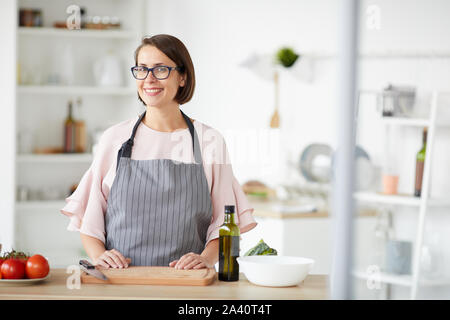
(286, 57)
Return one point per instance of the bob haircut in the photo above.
(178, 53)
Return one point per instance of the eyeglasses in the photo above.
(159, 72)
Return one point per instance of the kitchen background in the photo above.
(403, 43)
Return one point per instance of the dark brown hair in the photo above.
(178, 53)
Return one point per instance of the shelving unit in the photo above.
(41, 107)
(419, 203)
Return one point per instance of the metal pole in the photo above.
(342, 195)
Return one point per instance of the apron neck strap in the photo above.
(125, 150)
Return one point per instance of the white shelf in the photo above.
(406, 200)
(82, 33)
(387, 54)
(40, 205)
(55, 158)
(404, 54)
(413, 122)
(88, 90)
(401, 280)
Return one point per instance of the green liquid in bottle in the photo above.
(229, 247)
(420, 165)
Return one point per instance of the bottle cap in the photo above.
(229, 209)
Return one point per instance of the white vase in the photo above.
(108, 71)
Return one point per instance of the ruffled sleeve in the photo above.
(86, 206)
(226, 190)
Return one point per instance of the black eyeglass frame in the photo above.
(151, 69)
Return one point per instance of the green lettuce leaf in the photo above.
(261, 249)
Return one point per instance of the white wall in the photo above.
(8, 16)
(230, 98)
(222, 34)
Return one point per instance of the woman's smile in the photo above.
(153, 91)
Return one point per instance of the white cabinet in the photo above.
(43, 181)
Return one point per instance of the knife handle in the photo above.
(87, 264)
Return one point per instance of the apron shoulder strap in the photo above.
(195, 141)
(125, 150)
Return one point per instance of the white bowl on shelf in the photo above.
(275, 271)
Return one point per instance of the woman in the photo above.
(156, 190)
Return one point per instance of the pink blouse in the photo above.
(86, 207)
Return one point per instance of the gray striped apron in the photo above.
(158, 210)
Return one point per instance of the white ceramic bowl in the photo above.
(275, 271)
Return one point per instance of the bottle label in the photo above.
(229, 245)
(235, 246)
(228, 253)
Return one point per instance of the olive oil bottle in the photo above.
(420, 164)
(229, 247)
(69, 131)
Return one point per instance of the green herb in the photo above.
(286, 57)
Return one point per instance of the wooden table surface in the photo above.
(313, 287)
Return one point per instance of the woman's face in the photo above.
(154, 92)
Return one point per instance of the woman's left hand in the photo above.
(191, 261)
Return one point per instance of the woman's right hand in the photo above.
(112, 258)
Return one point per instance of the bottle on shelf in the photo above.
(69, 131)
(420, 163)
(80, 132)
(229, 235)
(83, 18)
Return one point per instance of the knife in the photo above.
(90, 269)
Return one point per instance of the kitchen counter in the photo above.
(305, 234)
(314, 287)
(268, 209)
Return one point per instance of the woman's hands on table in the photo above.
(112, 258)
(191, 261)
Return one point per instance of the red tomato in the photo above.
(23, 260)
(13, 269)
(37, 267)
(22, 256)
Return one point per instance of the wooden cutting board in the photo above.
(154, 275)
